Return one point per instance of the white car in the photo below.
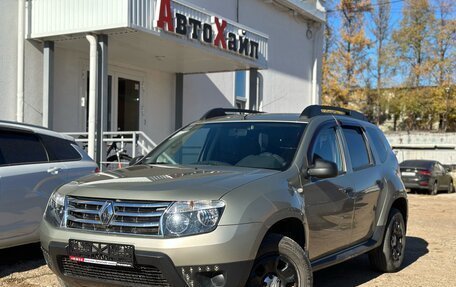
(34, 161)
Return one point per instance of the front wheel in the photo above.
(280, 262)
(388, 257)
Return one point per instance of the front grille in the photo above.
(115, 216)
(140, 275)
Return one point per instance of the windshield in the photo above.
(270, 145)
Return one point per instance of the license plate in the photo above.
(408, 173)
(101, 253)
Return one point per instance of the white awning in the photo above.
(135, 37)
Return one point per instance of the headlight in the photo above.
(191, 217)
(55, 209)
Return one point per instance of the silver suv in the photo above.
(238, 198)
(33, 162)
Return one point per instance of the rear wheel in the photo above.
(389, 256)
(451, 187)
(280, 262)
(434, 189)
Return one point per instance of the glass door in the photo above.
(128, 105)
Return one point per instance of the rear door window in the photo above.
(21, 148)
(357, 148)
(378, 143)
(60, 149)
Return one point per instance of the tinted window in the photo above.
(326, 146)
(377, 141)
(20, 148)
(357, 148)
(60, 149)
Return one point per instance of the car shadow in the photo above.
(20, 259)
(357, 271)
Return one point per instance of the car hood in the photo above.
(164, 183)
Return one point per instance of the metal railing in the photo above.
(132, 143)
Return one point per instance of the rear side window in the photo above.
(20, 148)
(377, 141)
(60, 149)
(357, 148)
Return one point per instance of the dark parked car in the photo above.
(429, 175)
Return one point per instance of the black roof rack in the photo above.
(221, 112)
(317, 110)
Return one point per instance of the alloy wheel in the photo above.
(274, 271)
(397, 240)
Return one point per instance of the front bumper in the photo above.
(223, 257)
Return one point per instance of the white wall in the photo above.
(68, 88)
(33, 75)
(156, 102)
(8, 59)
(288, 79)
(206, 91)
(157, 105)
(33, 83)
(442, 155)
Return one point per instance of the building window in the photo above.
(240, 87)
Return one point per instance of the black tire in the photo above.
(451, 187)
(388, 257)
(434, 189)
(280, 260)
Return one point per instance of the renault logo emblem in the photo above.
(106, 213)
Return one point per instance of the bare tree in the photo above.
(381, 31)
(413, 39)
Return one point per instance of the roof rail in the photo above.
(221, 112)
(317, 110)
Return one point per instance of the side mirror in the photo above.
(323, 169)
(135, 160)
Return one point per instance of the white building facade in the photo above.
(156, 64)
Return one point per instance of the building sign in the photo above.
(214, 33)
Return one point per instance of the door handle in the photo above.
(346, 190)
(54, 170)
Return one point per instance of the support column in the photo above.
(102, 82)
(92, 95)
(48, 83)
(253, 90)
(179, 100)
